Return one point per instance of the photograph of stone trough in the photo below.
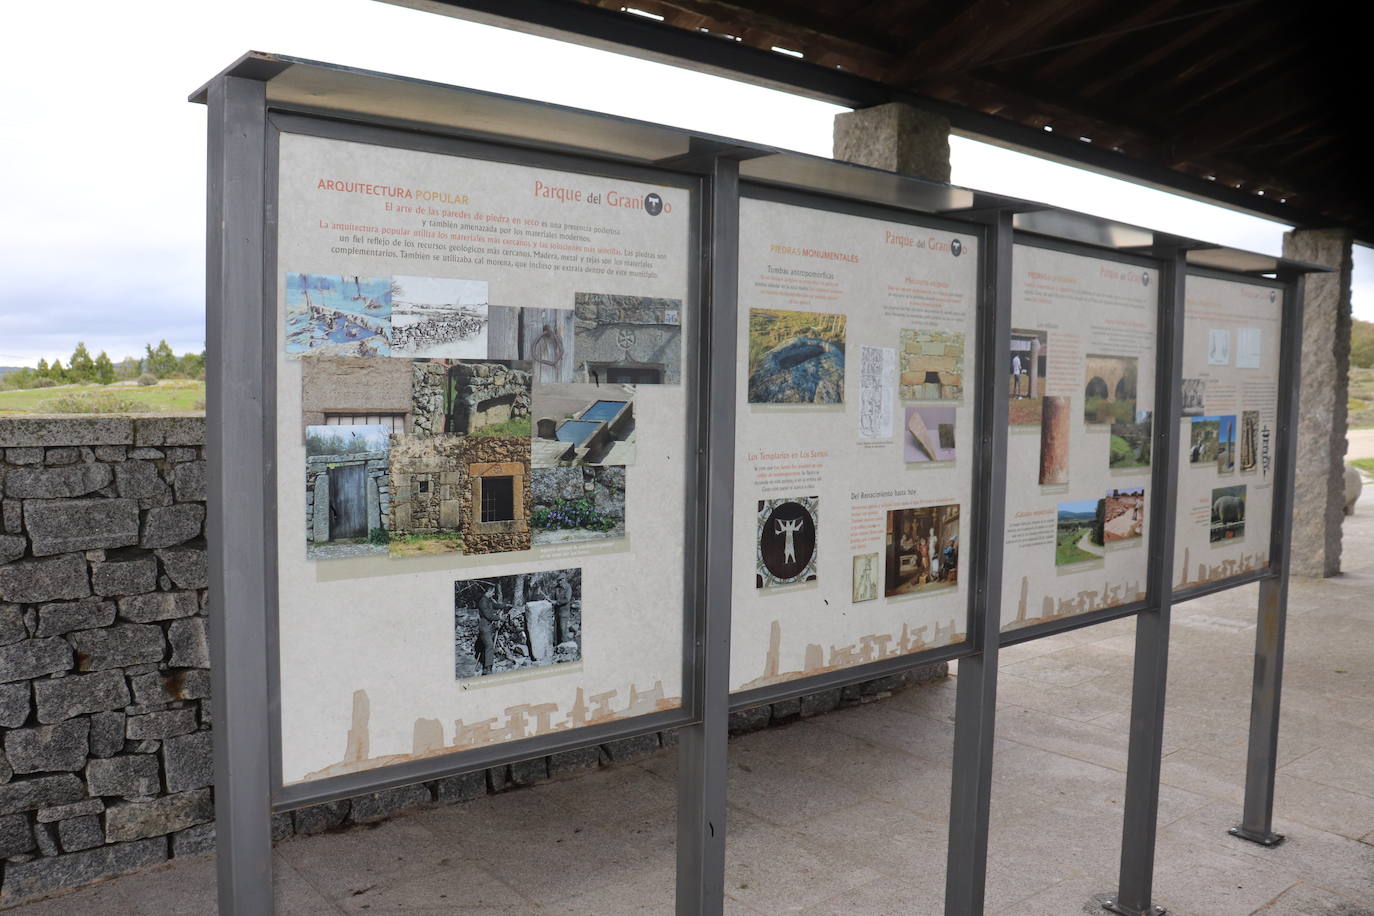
(437, 316)
(627, 340)
(347, 491)
(796, 357)
(338, 315)
(505, 623)
(581, 424)
(577, 504)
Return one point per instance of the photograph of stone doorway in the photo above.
(922, 550)
(931, 364)
(347, 491)
(582, 424)
(1109, 389)
(466, 398)
(506, 623)
(627, 340)
(1029, 356)
(438, 316)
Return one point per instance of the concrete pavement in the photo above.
(846, 813)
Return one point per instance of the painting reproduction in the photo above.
(577, 504)
(796, 357)
(1078, 535)
(922, 550)
(526, 620)
(580, 424)
(337, 315)
(623, 340)
(877, 376)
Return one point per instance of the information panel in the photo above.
(854, 438)
(481, 451)
(1082, 371)
(1226, 440)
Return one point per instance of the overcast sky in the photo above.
(103, 239)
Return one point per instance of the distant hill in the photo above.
(6, 370)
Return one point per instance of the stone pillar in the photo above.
(895, 137)
(1319, 495)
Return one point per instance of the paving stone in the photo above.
(57, 483)
(127, 577)
(117, 646)
(187, 567)
(785, 711)
(190, 648)
(319, 818)
(12, 547)
(80, 833)
(529, 772)
(14, 703)
(194, 841)
(463, 787)
(107, 734)
(77, 694)
(137, 820)
(48, 748)
(58, 617)
(32, 658)
(126, 775)
(40, 792)
(167, 526)
(188, 761)
(75, 809)
(61, 525)
(44, 876)
(12, 627)
(140, 480)
(158, 606)
(376, 806)
(16, 836)
(36, 581)
(158, 726)
(190, 481)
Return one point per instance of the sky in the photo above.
(103, 239)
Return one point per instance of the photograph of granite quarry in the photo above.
(434, 316)
(922, 550)
(1123, 515)
(583, 424)
(577, 504)
(796, 357)
(506, 623)
(627, 340)
(347, 491)
(337, 315)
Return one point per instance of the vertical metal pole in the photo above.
(1141, 815)
(237, 324)
(975, 704)
(1257, 820)
(702, 750)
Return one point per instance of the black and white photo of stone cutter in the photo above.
(785, 550)
(525, 620)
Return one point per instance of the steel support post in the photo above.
(1141, 815)
(975, 709)
(240, 344)
(1257, 820)
(702, 748)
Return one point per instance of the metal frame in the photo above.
(245, 126)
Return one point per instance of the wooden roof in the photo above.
(1243, 101)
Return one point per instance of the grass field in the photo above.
(1361, 398)
(1364, 464)
(1066, 548)
(167, 396)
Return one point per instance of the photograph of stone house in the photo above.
(505, 623)
(348, 391)
(461, 398)
(577, 504)
(460, 494)
(347, 491)
(581, 424)
(438, 316)
(627, 340)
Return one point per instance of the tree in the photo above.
(127, 368)
(42, 371)
(104, 369)
(56, 372)
(161, 362)
(190, 364)
(81, 368)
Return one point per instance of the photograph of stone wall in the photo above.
(460, 397)
(337, 315)
(436, 316)
(347, 491)
(627, 340)
(577, 504)
(506, 623)
(931, 364)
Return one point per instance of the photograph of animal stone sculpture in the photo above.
(526, 620)
(785, 548)
(337, 315)
(1228, 513)
(796, 357)
(347, 491)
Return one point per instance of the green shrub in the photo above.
(147, 378)
(379, 537)
(43, 383)
(571, 513)
(103, 402)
